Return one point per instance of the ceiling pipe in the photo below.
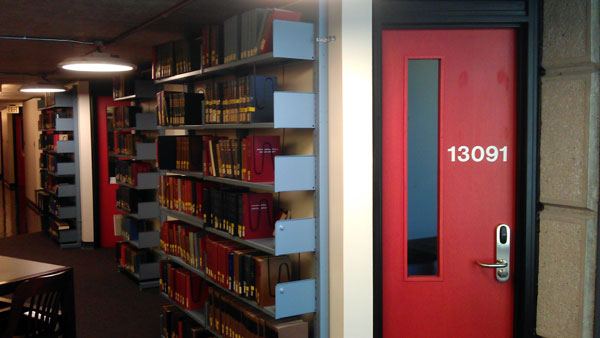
(148, 22)
(31, 38)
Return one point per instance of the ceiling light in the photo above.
(97, 62)
(42, 87)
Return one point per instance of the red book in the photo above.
(224, 249)
(205, 46)
(260, 157)
(179, 286)
(257, 215)
(195, 293)
(201, 250)
(154, 68)
(172, 282)
(211, 256)
(266, 42)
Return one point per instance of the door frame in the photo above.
(524, 16)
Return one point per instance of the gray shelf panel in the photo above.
(63, 169)
(186, 265)
(143, 122)
(291, 237)
(146, 210)
(64, 147)
(125, 98)
(144, 152)
(67, 212)
(145, 181)
(295, 173)
(294, 110)
(64, 124)
(143, 283)
(198, 315)
(64, 190)
(65, 236)
(146, 240)
(192, 220)
(291, 41)
(292, 173)
(180, 77)
(262, 125)
(197, 174)
(260, 186)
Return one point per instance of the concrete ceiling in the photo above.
(96, 20)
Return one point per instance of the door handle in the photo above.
(502, 264)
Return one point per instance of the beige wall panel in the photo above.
(31, 138)
(570, 32)
(86, 180)
(8, 149)
(566, 273)
(569, 142)
(336, 176)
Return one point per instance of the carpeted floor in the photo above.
(107, 303)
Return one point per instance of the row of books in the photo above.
(52, 183)
(52, 161)
(59, 225)
(177, 57)
(247, 99)
(128, 199)
(183, 194)
(42, 200)
(124, 116)
(251, 33)
(125, 142)
(47, 119)
(184, 241)
(130, 228)
(236, 211)
(175, 108)
(131, 258)
(127, 171)
(247, 272)
(56, 203)
(176, 324)
(48, 141)
(230, 318)
(249, 159)
(188, 290)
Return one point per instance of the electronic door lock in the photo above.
(502, 264)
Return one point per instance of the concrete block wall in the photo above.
(569, 168)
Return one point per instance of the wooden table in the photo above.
(14, 271)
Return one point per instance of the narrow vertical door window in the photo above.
(422, 105)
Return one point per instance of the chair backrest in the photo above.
(43, 306)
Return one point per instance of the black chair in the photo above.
(43, 307)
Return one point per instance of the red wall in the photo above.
(107, 191)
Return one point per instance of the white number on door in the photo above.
(477, 153)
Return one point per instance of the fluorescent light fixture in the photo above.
(97, 62)
(42, 87)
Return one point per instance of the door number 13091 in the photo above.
(478, 154)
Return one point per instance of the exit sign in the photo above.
(13, 109)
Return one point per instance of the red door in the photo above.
(107, 191)
(449, 163)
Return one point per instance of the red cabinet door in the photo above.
(448, 166)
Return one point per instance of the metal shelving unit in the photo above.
(292, 42)
(148, 274)
(68, 238)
